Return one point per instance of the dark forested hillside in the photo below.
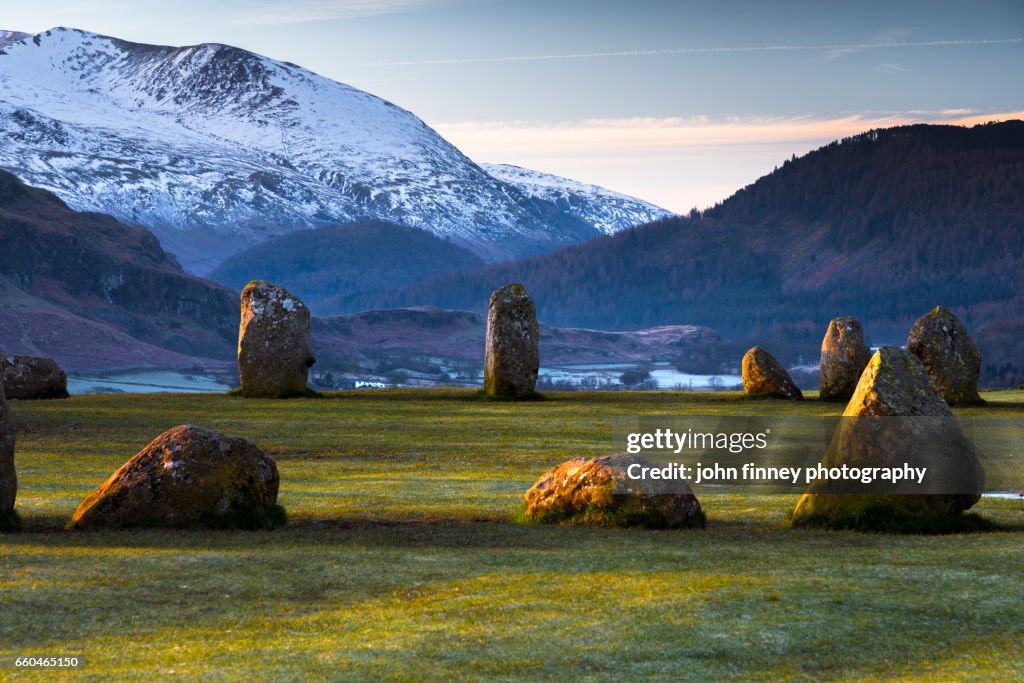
(322, 265)
(883, 226)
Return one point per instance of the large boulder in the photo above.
(30, 377)
(765, 376)
(186, 477)
(511, 355)
(274, 350)
(600, 492)
(8, 477)
(896, 417)
(941, 341)
(843, 358)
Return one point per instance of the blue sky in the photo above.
(680, 103)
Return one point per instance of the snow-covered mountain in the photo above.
(606, 210)
(215, 148)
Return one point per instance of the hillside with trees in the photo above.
(883, 226)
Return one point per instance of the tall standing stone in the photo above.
(844, 355)
(512, 355)
(896, 417)
(763, 375)
(8, 477)
(941, 341)
(274, 350)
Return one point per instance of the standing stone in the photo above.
(512, 356)
(844, 356)
(188, 476)
(8, 477)
(274, 351)
(765, 376)
(941, 341)
(29, 377)
(896, 416)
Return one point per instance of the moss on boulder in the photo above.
(188, 477)
(600, 492)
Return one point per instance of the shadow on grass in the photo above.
(308, 393)
(883, 520)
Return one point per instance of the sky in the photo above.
(680, 103)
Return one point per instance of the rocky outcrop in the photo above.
(512, 355)
(31, 377)
(765, 376)
(843, 358)
(188, 476)
(896, 417)
(600, 492)
(8, 477)
(274, 350)
(941, 341)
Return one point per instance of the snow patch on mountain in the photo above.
(606, 210)
(215, 148)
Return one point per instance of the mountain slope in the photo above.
(321, 265)
(608, 211)
(95, 293)
(215, 149)
(883, 226)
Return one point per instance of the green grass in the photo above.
(403, 559)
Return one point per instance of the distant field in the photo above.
(403, 560)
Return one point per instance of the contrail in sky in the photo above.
(707, 50)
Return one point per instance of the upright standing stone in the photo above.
(512, 356)
(274, 351)
(8, 478)
(896, 417)
(844, 355)
(941, 341)
(765, 376)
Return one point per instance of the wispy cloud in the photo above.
(676, 162)
(611, 136)
(285, 12)
(890, 68)
(710, 50)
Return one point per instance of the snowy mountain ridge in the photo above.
(215, 148)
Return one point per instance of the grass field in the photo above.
(402, 560)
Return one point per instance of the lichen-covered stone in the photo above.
(599, 492)
(941, 341)
(765, 376)
(512, 352)
(8, 477)
(274, 350)
(31, 377)
(844, 356)
(188, 476)
(897, 416)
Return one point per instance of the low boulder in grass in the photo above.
(765, 376)
(896, 417)
(32, 377)
(942, 343)
(599, 492)
(188, 477)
